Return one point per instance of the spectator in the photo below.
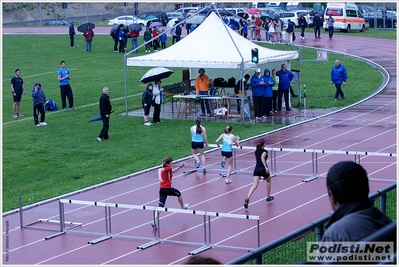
(267, 93)
(88, 34)
(257, 23)
(134, 36)
(125, 36)
(105, 112)
(252, 27)
(317, 23)
(163, 38)
(348, 189)
(285, 78)
(155, 42)
(277, 28)
(244, 29)
(38, 100)
(303, 25)
(338, 78)
(146, 101)
(178, 33)
(147, 36)
(257, 84)
(72, 34)
(201, 88)
(121, 39)
(266, 26)
(156, 101)
(66, 91)
(330, 25)
(238, 89)
(275, 90)
(17, 88)
(226, 19)
(290, 32)
(173, 32)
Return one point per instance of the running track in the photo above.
(367, 127)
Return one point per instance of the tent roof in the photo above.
(210, 46)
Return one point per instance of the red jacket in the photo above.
(155, 33)
(88, 34)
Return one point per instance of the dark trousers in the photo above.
(317, 31)
(258, 106)
(267, 104)
(36, 110)
(66, 91)
(303, 31)
(72, 40)
(121, 46)
(155, 45)
(206, 102)
(330, 31)
(116, 44)
(274, 100)
(339, 91)
(177, 38)
(104, 130)
(157, 113)
(282, 92)
(174, 38)
(163, 45)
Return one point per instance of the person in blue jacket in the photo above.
(163, 38)
(285, 77)
(338, 77)
(38, 100)
(257, 85)
(268, 93)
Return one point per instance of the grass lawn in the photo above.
(44, 162)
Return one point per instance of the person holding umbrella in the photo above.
(146, 100)
(88, 34)
(134, 33)
(105, 113)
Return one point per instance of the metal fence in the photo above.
(292, 247)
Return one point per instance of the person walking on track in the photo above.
(198, 140)
(261, 171)
(229, 140)
(165, 175)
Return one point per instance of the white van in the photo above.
(186, 9)
(347, 16)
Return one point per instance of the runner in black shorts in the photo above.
(198, 141)
(261, 171)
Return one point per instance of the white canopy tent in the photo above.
(212, 45)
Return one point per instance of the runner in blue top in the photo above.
(198, 139)
(229, 140)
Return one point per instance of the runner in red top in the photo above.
(165, 175)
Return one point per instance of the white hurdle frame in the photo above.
(207, 244)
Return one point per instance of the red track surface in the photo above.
(368, 127)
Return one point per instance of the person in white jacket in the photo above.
(156, 101)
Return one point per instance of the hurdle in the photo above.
(72, 225)
(205, 245)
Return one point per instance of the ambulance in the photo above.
(347, 16)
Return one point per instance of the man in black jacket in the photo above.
(105, 112)
(317, 23)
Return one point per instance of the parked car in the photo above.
(126, 20)
(370, 17)
(186, 9)
(292, 15)
(366, 8)
(58, 22)
(174, 15)
(162, 17)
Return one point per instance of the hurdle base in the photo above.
(273, 174)
(54, 235)
(199, 250)
(225, 174)
(190, 171)
(149, 244)
(98, 240)
(311, 178)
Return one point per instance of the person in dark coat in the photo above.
(317, 23)
(354, 216)
(146, 100)
(105, 112)
(38, 100)
(303, 24)
(285, 78)
(72, 34)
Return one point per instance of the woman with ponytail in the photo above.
(198, 139)
(261, 171)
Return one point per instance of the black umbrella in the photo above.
(82, 27)
(156, 74)
(135, 27)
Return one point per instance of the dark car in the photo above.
(372, 17)
(58, 22)
(162, 17)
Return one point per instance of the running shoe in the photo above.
(228, 181)
(43, 123)
(185, 206)
(198, 164)
(246, 201)
(222, 163)
(154, 225)
(204, 170)
(269, 198)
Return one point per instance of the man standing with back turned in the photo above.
(105, 112)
